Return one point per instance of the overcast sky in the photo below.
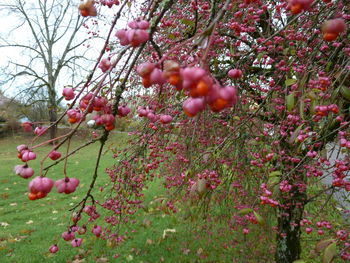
(23, 35)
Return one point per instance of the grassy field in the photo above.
(27, 228)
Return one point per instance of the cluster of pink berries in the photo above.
(109, 3)
(265, 197)
(25, 154)
(152, 117)
(91, 103)
(321, 111)
(201, 88)
(135, 36)
(91, 212)
(343, 141)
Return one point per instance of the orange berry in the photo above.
(296, 9)
(174, 79)
(330, 36)
(32, 196)
(146, 82)
(109, 127)
(189, 114)
(72, 120)
(218, 105)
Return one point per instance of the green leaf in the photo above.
(275, 173)
(286, 51)
(321, 245)
(259, 218)
(301, 109)
(289, 82)
(171, 36)
(299, 261)
(245, 211)
(260, 56)
(290, 101)
(187, 22)
(272, 181)
(345, 92)
(329, 253)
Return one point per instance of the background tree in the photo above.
(45, 47)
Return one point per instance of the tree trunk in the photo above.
(288, 247)
(53, 118)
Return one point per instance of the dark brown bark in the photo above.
(288, 246)
(53, 119)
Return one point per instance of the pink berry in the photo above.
(54, 155)
(53, 249)
(76, 242)
(235, 73)
(68, 93)
(68, 235)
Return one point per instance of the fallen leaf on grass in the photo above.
(4, 224)
(54, 212)
(102, 260)
(4, 195)
(13, 204)
(168, 231)
(26, 231)
(29, 222)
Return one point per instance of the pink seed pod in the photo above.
(98, 120)
(107, 119)
(143, 24)
(66, 185)
(24, 171)
(123, 111)
(68, 93)
(82, 230)
(76, 242)
(53, 249)
(156, 77)
(68, 235)
(152, 117)
(142, 112)
(27, 155)
(39, 131)
(21, 147)
(105, 64)
(137, 37)
(191, 76)
(334, 26)
(165, 119)
(235, 73)
(121, 35)
(40, 184)
(145, 69)
(27, 126)
(96, 230)
(54, 155)
(99, 103)
(192, 106)
(133, 24)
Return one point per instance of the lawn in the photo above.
(28, 228)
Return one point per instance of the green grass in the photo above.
(30, 227)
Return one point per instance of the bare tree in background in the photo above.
(48, 50)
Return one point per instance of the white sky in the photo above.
(23, 35)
